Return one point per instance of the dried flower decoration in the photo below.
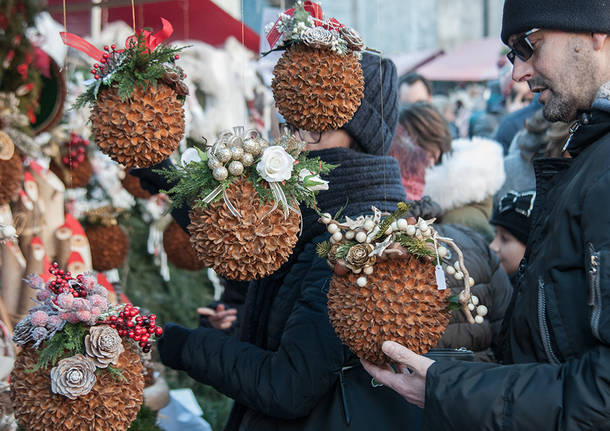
(73, 377)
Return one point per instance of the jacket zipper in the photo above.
(544, 328)
(594, 291)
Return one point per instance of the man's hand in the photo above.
(410, 382)
(219, 318)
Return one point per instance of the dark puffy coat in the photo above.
(493, 288)
(557, 332)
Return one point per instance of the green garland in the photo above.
(194, 182)
(68, 342)
(135, 67)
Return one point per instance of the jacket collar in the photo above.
(592, 124)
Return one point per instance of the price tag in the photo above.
(440, 277)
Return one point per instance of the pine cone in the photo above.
(245, 248)
(78, 176)
(103, 345)
(133, 186)
(11, 171)
(140, 131)
(109, 246)
(179, 250)
(111, 405)
(400, 302)
(317, 89)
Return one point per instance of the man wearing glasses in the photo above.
(556, 334)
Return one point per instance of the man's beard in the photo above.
(558, 108)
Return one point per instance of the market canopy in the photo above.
(476, 60)
(192, 19)
(407, 62)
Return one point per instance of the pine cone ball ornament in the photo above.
(111, 405)
(245, 248)
(133, 186)
(11, 171)
(109, 246)
(317, 89)
(400, 302)
(78, 176)
(179, 250)
(140, 131)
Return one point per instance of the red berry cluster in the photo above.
(77, 151)
(62, 284)
(108, 61)
(140, 328)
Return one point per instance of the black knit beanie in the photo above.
(374, 123)
(514, 216)
(574, 16)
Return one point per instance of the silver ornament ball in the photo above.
(220, 173)
(223, 154)
(237, 153)
(236, 168)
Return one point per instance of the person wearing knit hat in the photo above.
(555, 346)
(511, 217)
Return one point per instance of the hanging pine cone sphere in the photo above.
(140, 131)
(133, 186)
(317, 89)
(245, 248)
(179, 250)
(400, 302)
(109, 246)
(78, 176)
(112, 404)
(11, 171)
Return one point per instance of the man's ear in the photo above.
(599, 39)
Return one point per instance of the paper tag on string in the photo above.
(440, 277)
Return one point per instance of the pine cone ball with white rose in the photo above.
(246, 248)
(111, 405)
(316, 88)
(103, 345)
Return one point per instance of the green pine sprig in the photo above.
(68, 342)
(415, 246)
(138, 67)
(323, 249)
(114, 372)
(385, 224)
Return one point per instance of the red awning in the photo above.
(476, 60)
(192, 19)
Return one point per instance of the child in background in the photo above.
(511, 217)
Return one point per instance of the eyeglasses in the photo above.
(307, 136)
(522, 47)
(521, 203)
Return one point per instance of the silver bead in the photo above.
(252, 147)
(220, 173)
(236, 168)
(214, 163)
(237, 153)
(247, 159)
(223, 154)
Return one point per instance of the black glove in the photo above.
(151, 181)
(171, 344)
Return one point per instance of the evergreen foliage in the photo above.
(65, 343)
(136, 66)
(415, 246)
(385, 224)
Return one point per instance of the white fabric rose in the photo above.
(190, 155)
(311, 181)
(275, 165)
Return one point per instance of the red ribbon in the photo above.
(82, 45)
(152, 41)
(314, 9)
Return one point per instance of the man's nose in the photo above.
(522, 70)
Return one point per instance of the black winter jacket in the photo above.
(557, 332)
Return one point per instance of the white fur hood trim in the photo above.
(471, 173)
